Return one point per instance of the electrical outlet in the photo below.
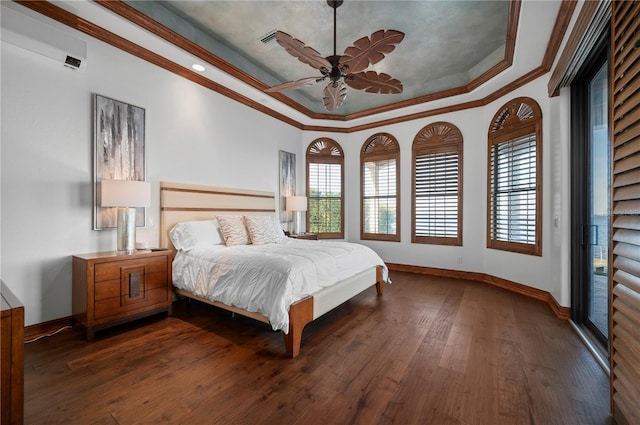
(459, 259)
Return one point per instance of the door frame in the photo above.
(580, 186)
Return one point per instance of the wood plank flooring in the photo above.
(429, 351)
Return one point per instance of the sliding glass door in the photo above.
(599, 195)
(591, 169)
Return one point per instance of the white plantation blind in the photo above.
(380, 187)
(380, 197)
(437, 185)
(513, 190)
(325, 188)
(625, 226)
(436, 188)
(514, 178)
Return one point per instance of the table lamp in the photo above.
(126, 195)
(297, 204)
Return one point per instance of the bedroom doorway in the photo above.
(591, 171)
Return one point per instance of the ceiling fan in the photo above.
(347, 69)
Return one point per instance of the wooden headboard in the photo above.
(188, 202)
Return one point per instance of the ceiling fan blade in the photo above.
(297, 84)
(304, 53)
(334, 95)
(372, 82)
(368, 51)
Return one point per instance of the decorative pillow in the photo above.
(279, 230)
(233, 230)
(262, 229)
(189, 234)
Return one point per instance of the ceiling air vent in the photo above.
(269, 37)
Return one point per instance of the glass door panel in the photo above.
(600, 171)
(590, 196)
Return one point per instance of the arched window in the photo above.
(325, 188)
(437, 185)
(380, 188)
(514, 193)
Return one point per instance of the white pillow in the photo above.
(189, 234)
(263, 229)
(233, 230)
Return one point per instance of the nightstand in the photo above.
(308, 236)
(111, 288)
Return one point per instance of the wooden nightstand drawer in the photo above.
(120, 306)
(111, 271)
(117, 287)
(109, 289)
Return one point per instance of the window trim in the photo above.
(324, 156)
(505, 126)
(438, 137)
(389, 151)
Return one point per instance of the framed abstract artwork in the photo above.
(119, 153)
(287, 185)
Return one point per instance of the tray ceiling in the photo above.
(447, 44)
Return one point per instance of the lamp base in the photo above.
(126, 230)
(298, 224)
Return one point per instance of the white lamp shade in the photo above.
(125, 193)
(296, 203)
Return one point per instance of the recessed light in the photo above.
(197, 67)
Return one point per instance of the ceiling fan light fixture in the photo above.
(344, 70)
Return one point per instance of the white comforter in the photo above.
(269, 278)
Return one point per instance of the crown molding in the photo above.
(127, 12)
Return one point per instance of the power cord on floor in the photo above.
(45, 335)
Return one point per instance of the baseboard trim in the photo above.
(45, 328)
(563, 313)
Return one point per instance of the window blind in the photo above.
(325, 197)
(436, 195)
(379, 200)
(513, 190)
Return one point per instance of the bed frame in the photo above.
(187, 202)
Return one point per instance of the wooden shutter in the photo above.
(514, 178)
(625, 284)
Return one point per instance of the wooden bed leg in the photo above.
(379, 288)
(379, 282)
(300, 313)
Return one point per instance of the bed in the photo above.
(182, 203)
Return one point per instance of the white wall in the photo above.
(548, 272)
(192, 135)
(195, 135)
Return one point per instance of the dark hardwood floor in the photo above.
(429, 351)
